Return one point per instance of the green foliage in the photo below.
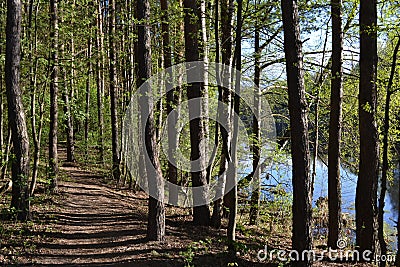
(188, 256)
(15, 237)
(9, 213)
(241, 228)
(201, 246)
(78, 24)
(240, 247)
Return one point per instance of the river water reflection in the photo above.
(281, 173)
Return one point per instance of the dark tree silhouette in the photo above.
(367, 183)
(53, 132)
(171, 103)
(201, 214)
(335, 126)
(113, 94)
(16, 113)
(385, 152)
(255, 194)
(156, 213)
(301, 209)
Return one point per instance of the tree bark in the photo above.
(385, 160)
(68, 120)
(204, 51)
(255, 194)
(36, 129)
(231, 180)
(335, 126)
(301, 209)
(53, 132)
(366, 192)
(171, 104)
(100, 80)
(113, 94)
(16, 114)
(1, 96)
(138, 82)
(201, 214)
(227, 10)
(72, 128)
(156, 213)
(1, 120)
(217, 207)
(87, 106)
(397, 262)
(69, 128)
(2, 5)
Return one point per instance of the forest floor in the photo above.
(91, 223)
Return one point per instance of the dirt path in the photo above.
(90, 223)
(94, 225)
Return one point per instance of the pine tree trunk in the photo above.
(335, 127)
(87, 106)
(1, 115)
(36, 130)
(255, 194)
(397, 262)
(156, 212)
(72, 73)
(159, 105)
(1, 121)
(53, 132)
(231, 180)
(385, 152)
(217, 206)
(69, 129)
(226, 114)
(16, 114)
(204, 51)
(201, 214)
(367, 183)
(2, 5)
(100, 81)
(171, 104)
(138, 82)
(301, 209)
(113, 95)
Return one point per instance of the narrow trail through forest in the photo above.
(90, 223)
(94, 225)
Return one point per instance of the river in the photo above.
(282, 172)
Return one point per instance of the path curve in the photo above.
(94, 225)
